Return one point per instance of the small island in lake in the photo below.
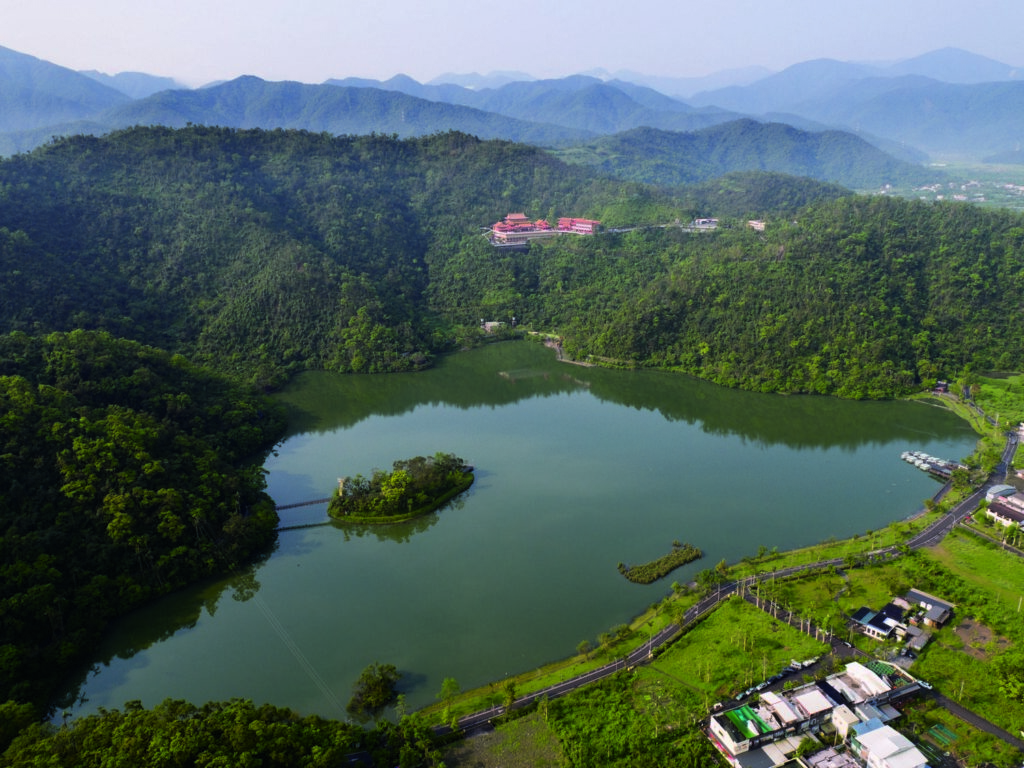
(648, 573)
(414, 487)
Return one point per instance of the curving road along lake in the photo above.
(577, 470)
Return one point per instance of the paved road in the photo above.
(640, 655)
(926, 538)
(980, 723)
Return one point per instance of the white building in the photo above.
(883, 747)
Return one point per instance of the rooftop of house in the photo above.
(1006, 512)
(917, 597)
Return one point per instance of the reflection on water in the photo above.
(577, 469)
(502, 374)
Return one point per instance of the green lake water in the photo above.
(577, 470)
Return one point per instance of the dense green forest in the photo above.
(858, 297)
(234, 733)
(125, 473)
(264, 253)
(673, 158)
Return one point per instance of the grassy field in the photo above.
(1003, 397)
(974, 747)
(983, 564)
(894, 533)
(737, 642)
(524, 743)
(739, 645)
(736, 646)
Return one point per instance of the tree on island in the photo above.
(413, 487)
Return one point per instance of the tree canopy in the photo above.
(262, 253)
(374, 690)
(125, 473)
(414, 486)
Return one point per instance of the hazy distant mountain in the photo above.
(449, 94)
(249, 102)
(979, 119)
(901, 107)
(784, 91)
(821, 78)
(669, 158)
(685, 87)
(948, 101)
(1013, 157)
(897, 149)
(579, 102)
(476, 81)
(138, 85)
(953, 65)
(586, 103)
(35, 93)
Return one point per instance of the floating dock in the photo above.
(933, 465)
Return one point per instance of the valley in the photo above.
(214, 301)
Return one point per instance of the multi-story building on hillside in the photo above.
(578, 226)
(518, 229)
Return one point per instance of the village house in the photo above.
(881, 624)
(902, 618)
(1006, 505)
(853, 703)
(1004, 515)
(937, 612)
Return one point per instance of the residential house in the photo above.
(881, 624)
(880, 746)
(937, 612)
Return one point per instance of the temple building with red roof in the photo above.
(518, 229)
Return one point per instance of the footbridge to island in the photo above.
(282, 526)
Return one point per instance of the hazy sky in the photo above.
(197, 41)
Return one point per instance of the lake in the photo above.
(577, 469)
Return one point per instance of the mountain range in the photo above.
(668, 158)
(945, 103)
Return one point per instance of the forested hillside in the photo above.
(859, 297)
(263, 253)
(125, 473)
(669, 158)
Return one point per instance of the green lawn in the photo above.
(1003, 397)
(983, 564)
(736, 646)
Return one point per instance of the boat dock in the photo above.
(931, 464)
